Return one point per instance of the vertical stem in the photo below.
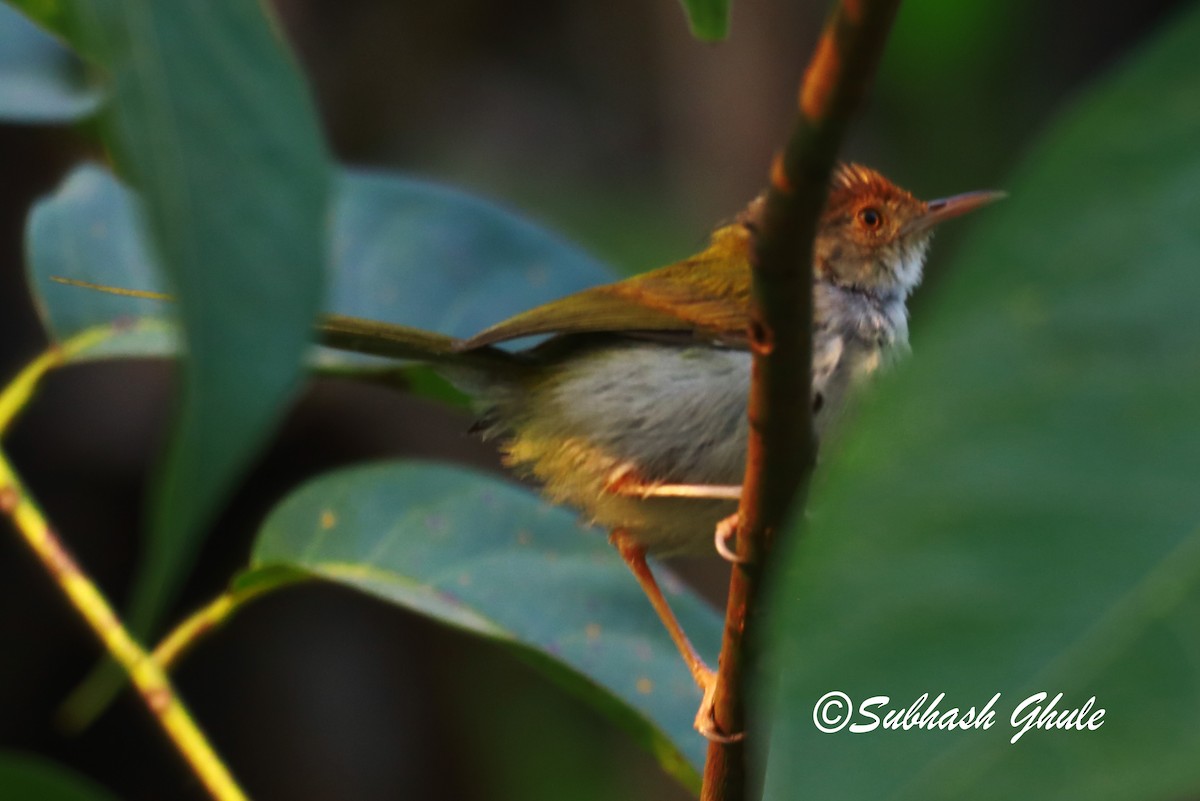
(782, 449)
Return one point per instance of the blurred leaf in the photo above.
(52, 16)
(1016, 510)
(490, 558)
(213, 123)
(933, 38)
(960, 80)
(404, 251)
(40, 82)
(263, 580)
(708, 19)
(530, 740)
(414, 252)
(25, 777)
(89, 230)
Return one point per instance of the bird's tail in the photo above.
(371, 337)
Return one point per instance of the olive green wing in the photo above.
(706, 296)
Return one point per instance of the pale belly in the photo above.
(643, 413)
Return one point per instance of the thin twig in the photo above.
(149, 679)
(98, 690)
(782, 448)
(213, 615)
(186, 634)
(20, 390)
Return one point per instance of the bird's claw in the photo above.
(706, 721)
(726, 532)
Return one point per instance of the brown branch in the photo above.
(782, 447)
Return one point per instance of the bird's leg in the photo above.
(625, 481)
(635, 557)
(716, 492)
(705, 677)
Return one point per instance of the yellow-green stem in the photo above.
(203, 621)
(149, 679)
(17, 394)
(183, 636)
(145, 673)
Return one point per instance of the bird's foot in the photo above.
(706, 720)
(726, 533)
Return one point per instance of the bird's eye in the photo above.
(870, 217)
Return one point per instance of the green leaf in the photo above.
(211, 120)
(708, 19)
(421, 254)
(32, 778)
(52, 16)
(404, 250)
(1016, 510)
(89, 229)
(40, 81)
(490, 558)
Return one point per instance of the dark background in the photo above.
(604, 120)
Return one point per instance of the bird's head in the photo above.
(873, 235)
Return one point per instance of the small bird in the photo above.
(642, 390)
(634, 411)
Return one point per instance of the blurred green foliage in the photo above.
(211, 121)
(709, 19)
(40, 81)
(401, 250)
(235, 180)
(480, 554)
(1015, 511)
(31, 778)
(1044, 423)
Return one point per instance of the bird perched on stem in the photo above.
(641, 392)
(635, 410)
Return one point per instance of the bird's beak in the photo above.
(937, 211)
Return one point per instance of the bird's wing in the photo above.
(706, 296)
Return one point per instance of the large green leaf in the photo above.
(421, 254)
(89, 229)
(1016, 511)
(490, 558)
(708, 19)
(404, 250)
(56, 17)
(31, 778)
(40, 81)
(212, 122)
